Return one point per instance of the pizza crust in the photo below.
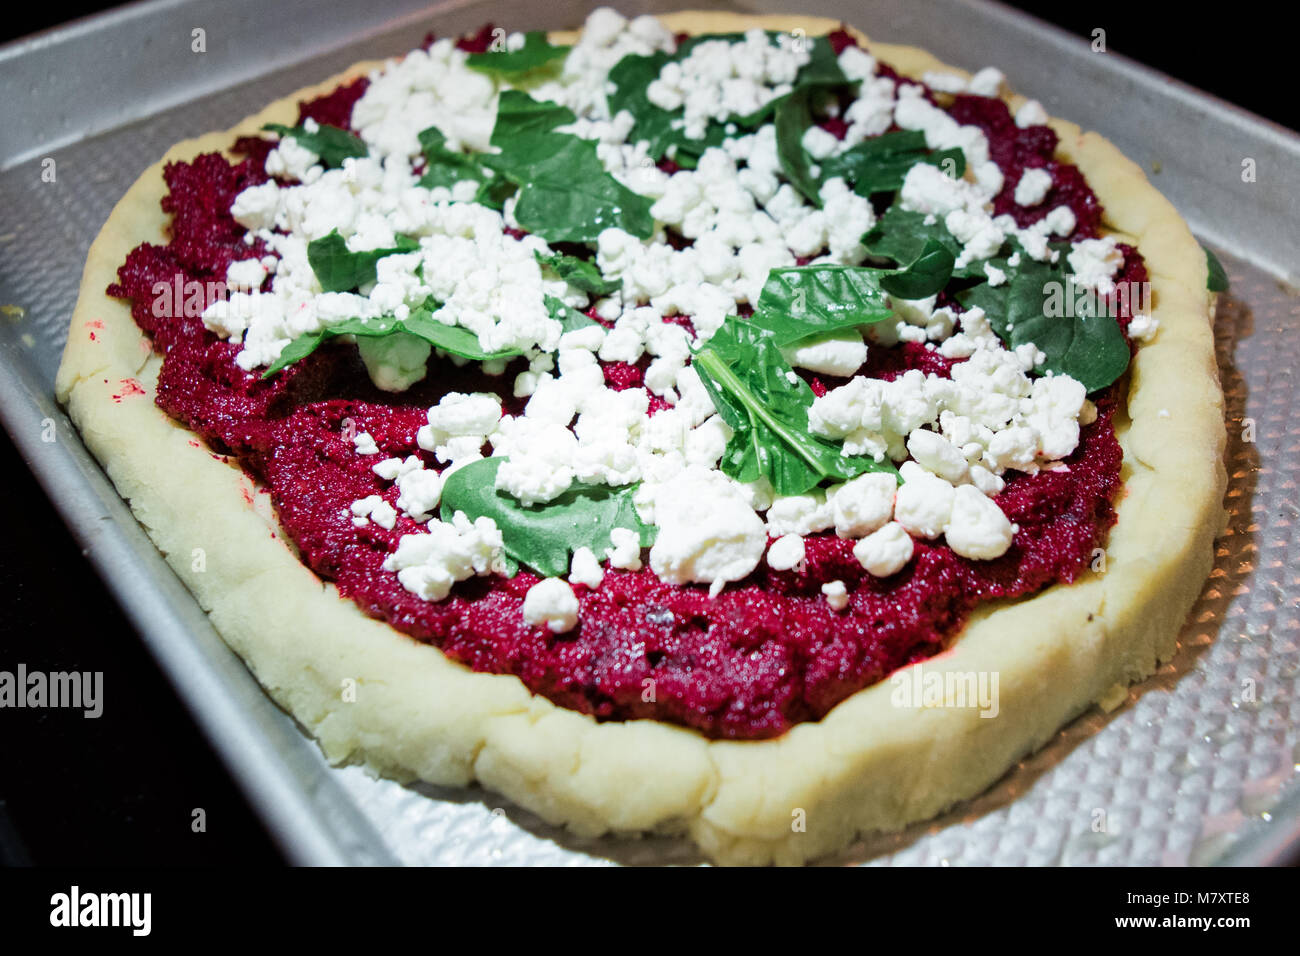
(867, 766)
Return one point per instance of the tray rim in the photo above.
(112, 544)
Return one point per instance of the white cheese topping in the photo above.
(552, 603)
(1095, 262)
(1033, 187)
(837, 595)
(719, 79)
(705, 534)
(428, 564)
(786, 552)
(955, 438)
(886, 551)
(586, 569)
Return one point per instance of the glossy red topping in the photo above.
(767, 653)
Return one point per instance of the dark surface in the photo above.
(121, 789)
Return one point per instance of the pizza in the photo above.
(710, 424)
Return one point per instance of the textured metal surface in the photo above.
(1190, 769)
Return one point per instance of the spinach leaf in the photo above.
(1040, 303)
(543, 537)
(798, 302)
(928, 273)
(450, 338)
(655, 125)
(822, 71)
(579, 273)
(629, 78)
(518, 114)
(903, 235)
(632, 74)
(1216, 279)
(570, 319)
(565, 194)
(339, 269)
(880, 164)
(421, 323)
(446, 167)
(792, 119)
(536, 51)
(331, 144)
(750, 385)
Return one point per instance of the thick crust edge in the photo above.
(867, 766)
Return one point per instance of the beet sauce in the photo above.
(765, 654)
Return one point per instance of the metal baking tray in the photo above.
(1199, 765)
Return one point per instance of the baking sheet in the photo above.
(1198, 766)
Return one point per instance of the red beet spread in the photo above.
(765, 654)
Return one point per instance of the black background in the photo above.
(121, 789)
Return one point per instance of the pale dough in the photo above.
(867, 766)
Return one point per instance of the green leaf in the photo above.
(881, 163)
(421, 323)
(632, 74)
(1216, 279)
(494, 193)
(544, 537)
(579, 273)
(570, 319)
(536, 51)
(450, 338)
(750, 385)
(823, 66)
(822, 71)
(446, 167)
(792, 119)
(565, 194)
(903, 235)
(1040, 303)
(331, 144)
(339, 269)
(630, 77)
(518, 114)
(798, 302)
(928, 273)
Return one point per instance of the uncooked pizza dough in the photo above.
(867, 766)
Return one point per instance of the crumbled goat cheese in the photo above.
(977, 528)
(365, 444)
(552, 603)
(1031, 114)
(785, 552)
(586, 569)
(837, 595)
(706, 535)
(376, 509)
(626, 551)
(924, 502)
(1094, 263)
(429, 563)
(1143, 327)
(1033, 187)
(956, 437)
(886, 551)
(863, 504)
(719, 79)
